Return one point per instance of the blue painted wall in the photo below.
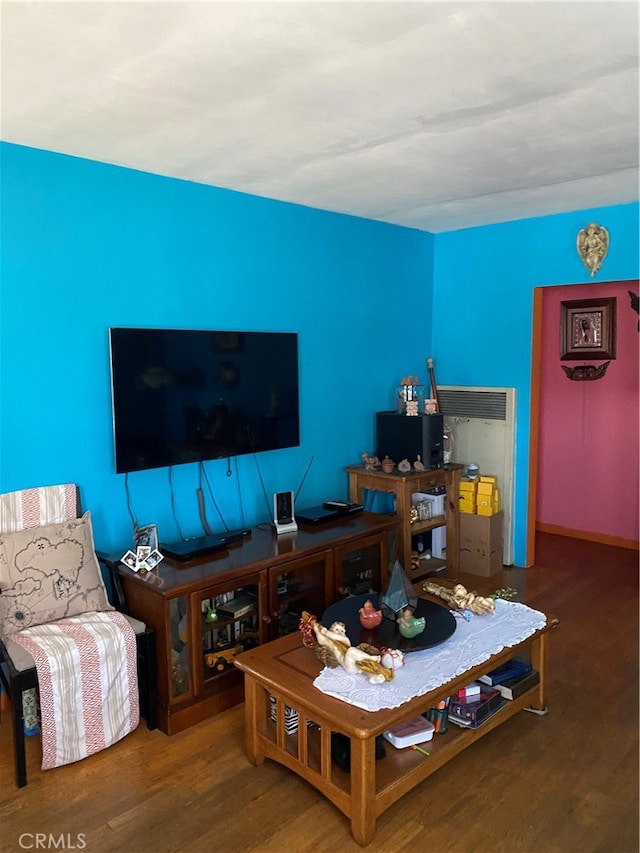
(483, 306)
(86, 246)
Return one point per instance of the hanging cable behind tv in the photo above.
(201, 546)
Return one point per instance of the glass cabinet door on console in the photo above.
(181, 677)
(363, 567)
(227, 620)
(296, 586)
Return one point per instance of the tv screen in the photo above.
(189, 395)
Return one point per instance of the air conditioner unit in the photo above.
(483, 424)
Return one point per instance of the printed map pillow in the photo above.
(48, 573)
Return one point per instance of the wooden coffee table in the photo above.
(285, 669)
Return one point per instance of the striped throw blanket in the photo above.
(88, 684)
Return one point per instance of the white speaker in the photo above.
(284, 519)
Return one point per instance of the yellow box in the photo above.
(467, 504)
(467, 509)
(489, 479)
(485, 510)
(468, 486)
(488, 504)
(484, 504)
(485, 488)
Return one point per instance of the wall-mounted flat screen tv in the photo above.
(184, 395)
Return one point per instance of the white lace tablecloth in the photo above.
(471, 644)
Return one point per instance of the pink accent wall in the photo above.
(588, 451)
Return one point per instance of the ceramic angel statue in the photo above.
(336, 650)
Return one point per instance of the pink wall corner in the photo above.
(588, 442)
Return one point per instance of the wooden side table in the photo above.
(403, 486)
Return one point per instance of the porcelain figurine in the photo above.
(404, 466)
(410, 625)
(369, 616)
(335, 649)
(392, 658)
(370, 462)
(388, 465)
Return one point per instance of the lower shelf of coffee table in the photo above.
(395, 774)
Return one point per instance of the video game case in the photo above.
(513, 668)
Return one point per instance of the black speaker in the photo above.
(409, 436)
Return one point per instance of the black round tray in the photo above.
(440, 624)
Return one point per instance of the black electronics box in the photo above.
(409, 436)
(475, 709)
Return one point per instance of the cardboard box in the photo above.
(481, 543)
(468, 486)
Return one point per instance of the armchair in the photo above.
(50, 576)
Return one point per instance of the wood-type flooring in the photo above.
(564, 783)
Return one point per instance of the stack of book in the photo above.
(512, 679)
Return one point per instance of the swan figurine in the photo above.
(369, 616)
(409, 625)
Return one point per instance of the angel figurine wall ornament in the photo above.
(592, 245)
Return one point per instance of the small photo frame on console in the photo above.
(146, 537)
(142, 552)
(153, 559)
(588, 329)
(130, 560)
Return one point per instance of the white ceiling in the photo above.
(432, 115)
